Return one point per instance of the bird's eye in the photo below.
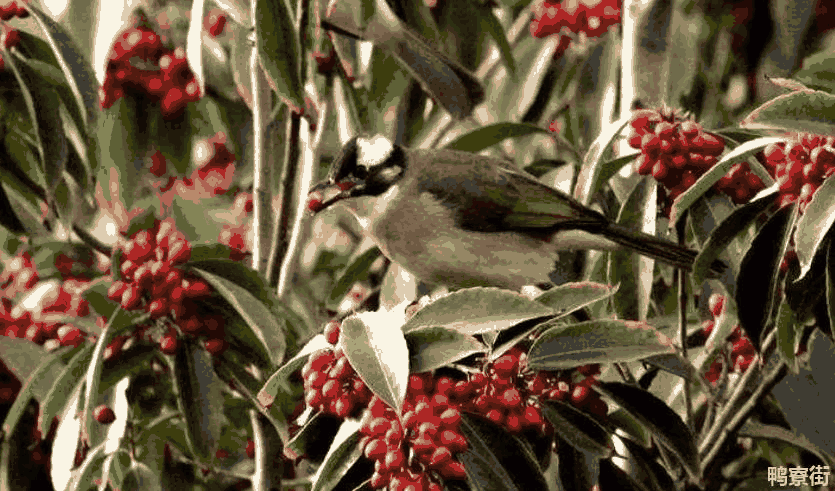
(361, 172)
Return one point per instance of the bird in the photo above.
(463, 220)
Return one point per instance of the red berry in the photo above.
(104, 415)
(158, 166)
(70, 336)
(11, 38)
(179, 253)
(453, 470)
(215, 346)
(250, 449)
(198, 289)
(332, 332)
(168, 344)
(116, 290)
(222, 454)
(131, 298)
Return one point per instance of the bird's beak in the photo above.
(326, 193)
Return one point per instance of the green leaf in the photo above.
(496, 460)
(729, 231)
(198, 397)
(580, 430)
(491, 25)
(278, 49)
(173, 138)
(809, 111)
(659, 419)
(758, 276)
(477, 310)
(813, 226)
(263, 324)
(8, 218)
(237, 273)
(378, 352)
(35, 386)
(487, 136)
(280, 379)
(77, 70)
(754, 429)
(82, 478)
(315, 437)
(570, 297)
(356, 271)
(605, 341)
(194, 218)
(118, 149)
(786, 324)
(626, 268)
(589, 177)
(435, 347)
(30, 104)
(24, 156)
(338, 463)
(818, 72)
(202, 252)
(711, 177)
(64, 386)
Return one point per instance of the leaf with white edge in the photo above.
(377, 350)
(675, 364)
(800, 111)
(758, 430)
(82, 478)
(786, 323)
(477, 310)
(77, 70)
(435, 347)
(587, 180)
(278, 50)
(194, 44)
(603, 341)
(570, 297)
(487, 136)
(279, 379)
(496, 460)
(63, 387)
(490, 24)
(817, 72)
(728, 231)
(35, 386)
(787, 83)
(664, 424)
(813, 226)
(712, 176)
(758, 277)
(258, 317)
(21, 356)
(139, 477)
(580, 430)
(339, 460)
(30, 104)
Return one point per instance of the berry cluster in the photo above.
(409, 452)
(18, 276)
(800, 166)
(552, 16)
(676, 153)
(11, 36)
(139, 63)
(153, 281)
(330, 383)
(742, 352)
(215, 22)
(17, 322)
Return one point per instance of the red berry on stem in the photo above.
(215, 346)
(716, 304)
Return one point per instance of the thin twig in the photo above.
(260, 476)
(681, 227)
(290, 169)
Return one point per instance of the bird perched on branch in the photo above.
(462, 219)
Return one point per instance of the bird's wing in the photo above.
(496, 197)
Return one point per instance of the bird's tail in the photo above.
(660, 249)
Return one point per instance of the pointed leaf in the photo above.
(64, 386)
(173, 138)
(487, 136)
(435, 347)
(202, 252)
(278, 49)
(82, 478)
(728, 231)
(786, 323)
(603, 341)
(589, 175)
(659, 419)
(280, 379)
(258, 317)
(580, 430)
(378, 352)
(570, 297)
(477, 310)
(496, 460)
(338, 462)
(314, 438)
(815, 223)
(78, 71)
(712, 176)
(675, 364)
(35, 386)
(198, 397)
(491, 25)
(237, 273)
(810, 111)
(817, 72)
(754, 429)
(757, 279)
(118, 150)
(30, 103)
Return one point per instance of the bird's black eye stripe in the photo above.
(361, 172)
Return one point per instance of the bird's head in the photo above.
(365, 167)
